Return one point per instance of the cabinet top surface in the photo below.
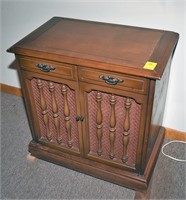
(112, 47)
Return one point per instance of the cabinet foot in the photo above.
(144, 194)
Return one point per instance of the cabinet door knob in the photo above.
(111, 80)
(79, 118)
(45, 68)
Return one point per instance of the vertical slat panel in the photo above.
(44, 108)
(50, 104)
(112, 126)
(67, 116)
(99, 119)
(124, 113)
(126, 130)
(55, 112)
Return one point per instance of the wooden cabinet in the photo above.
(95, 96)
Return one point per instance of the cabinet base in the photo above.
(140, 183)
(144, 194)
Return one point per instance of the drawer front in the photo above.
(50, 68)
(110, 79)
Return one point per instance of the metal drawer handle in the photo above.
(45, 68)
(110, 80)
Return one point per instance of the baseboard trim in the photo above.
(10, 90)
(170, 134)
(173, 134)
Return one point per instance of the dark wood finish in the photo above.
(141, 99)
(44, 108)
(99, 120)
(112, 126)
(130, 83)
(102, 65)
(144, 194)
(170, 134)
(55, 112)
(67, 115)
(97, 41)
(63, 70)
(126, 128)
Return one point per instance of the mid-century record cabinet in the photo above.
(95, 96)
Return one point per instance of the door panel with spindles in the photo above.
(54, 106)
(113, 127)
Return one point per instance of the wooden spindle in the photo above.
(99, 119)
(55, 112)
(126, 128)
(67, 116)
(112, 126)
(44, 109)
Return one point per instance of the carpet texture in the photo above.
(25, 179)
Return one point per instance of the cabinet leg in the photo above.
(144, 194)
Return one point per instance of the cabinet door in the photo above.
(52, 107)
(114, 125)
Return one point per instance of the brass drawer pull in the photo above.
(45, 68)
(110, 80)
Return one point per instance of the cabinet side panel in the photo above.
(158, 107)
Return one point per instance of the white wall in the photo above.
(21, 17)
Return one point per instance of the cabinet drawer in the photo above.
(110, 79)
(50, 68)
